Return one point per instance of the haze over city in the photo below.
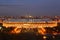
(29, 7)
(29, 19)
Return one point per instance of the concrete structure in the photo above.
(29, 23)
(25, 25)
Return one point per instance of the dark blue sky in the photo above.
(29, 7)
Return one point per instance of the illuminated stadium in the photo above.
(29, 24)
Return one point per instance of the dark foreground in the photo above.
(28, 36)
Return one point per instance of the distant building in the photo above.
(29, 23)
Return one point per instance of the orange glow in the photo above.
(39, 25)
(16, 30)
(42, 31)
(55, 33)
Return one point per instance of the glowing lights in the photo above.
(53, 36)
(54, 33)
(42, 31)
(16, 30)
(0, 27)
(30, 25)
(30, 16)
(44, 37)
(25, 24)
